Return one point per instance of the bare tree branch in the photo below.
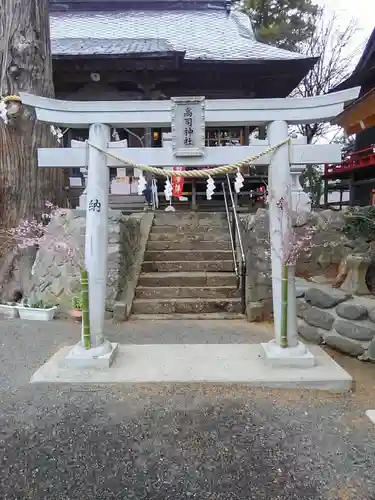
(333, 45)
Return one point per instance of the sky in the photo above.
(348, 9)
(360, 10)
(345, 11)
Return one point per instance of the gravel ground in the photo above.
(176, 442)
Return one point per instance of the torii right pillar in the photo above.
(296, 353)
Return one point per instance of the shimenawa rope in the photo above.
(207, 172)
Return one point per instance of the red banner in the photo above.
(177, 183)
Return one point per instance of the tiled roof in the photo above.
(202, 34)
(368, 57)
(365, 65)
(90, 46)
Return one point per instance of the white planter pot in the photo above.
(9, 311)
(36, 314)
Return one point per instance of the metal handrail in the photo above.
(236, 219)
(236, 229)
(230, 231)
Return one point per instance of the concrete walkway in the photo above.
(175, 441)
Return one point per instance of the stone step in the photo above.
(176, 266)
(191, 229)
(190, 218)
(188, 317)
(193, 279)
(183, 244)
(158, 234)
(188, 255)
(186, 306)
(171, 292)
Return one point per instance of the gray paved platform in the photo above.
(188, 363)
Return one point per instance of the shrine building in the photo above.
(157, 49)
(355, 175)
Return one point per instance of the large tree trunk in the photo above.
(25, 65)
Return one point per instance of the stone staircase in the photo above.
(188, 271)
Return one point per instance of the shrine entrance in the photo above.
(282, 154)
(124, 182)
(193, 196)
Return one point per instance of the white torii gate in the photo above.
(276, 113)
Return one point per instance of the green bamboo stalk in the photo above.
(86, 333)
(284, 307)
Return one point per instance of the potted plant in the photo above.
(76, 311)
(38, 311)
(8, 309)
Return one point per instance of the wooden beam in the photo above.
(360, 126)
(225, 112)
(364, 181)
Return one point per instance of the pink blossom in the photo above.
(35, 233)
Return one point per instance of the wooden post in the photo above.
(96, 244)
(194, 194)
(147, 138)
(351, 191)
(83, 197)
(325, 193)
(246, 135)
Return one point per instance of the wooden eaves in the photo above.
(358, 116)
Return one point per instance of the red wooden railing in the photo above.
(359, 159)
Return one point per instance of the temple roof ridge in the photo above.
(85, 5)
(243, 22)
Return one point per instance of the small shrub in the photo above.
(39, 304)
(77, 302)
(360, 224)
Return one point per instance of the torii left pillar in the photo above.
(102, 352)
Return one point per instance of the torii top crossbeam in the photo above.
(223, 112)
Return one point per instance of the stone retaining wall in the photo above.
(255, 238)
(330, 246)
(136, 232)
(55, 280)
(332, 317)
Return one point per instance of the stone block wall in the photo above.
(329, 247)
(255, 239)
(136, 232)
(332, 317)
(55, 279)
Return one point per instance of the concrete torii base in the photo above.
(96, 358)
(199, 363)
(289, 357)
